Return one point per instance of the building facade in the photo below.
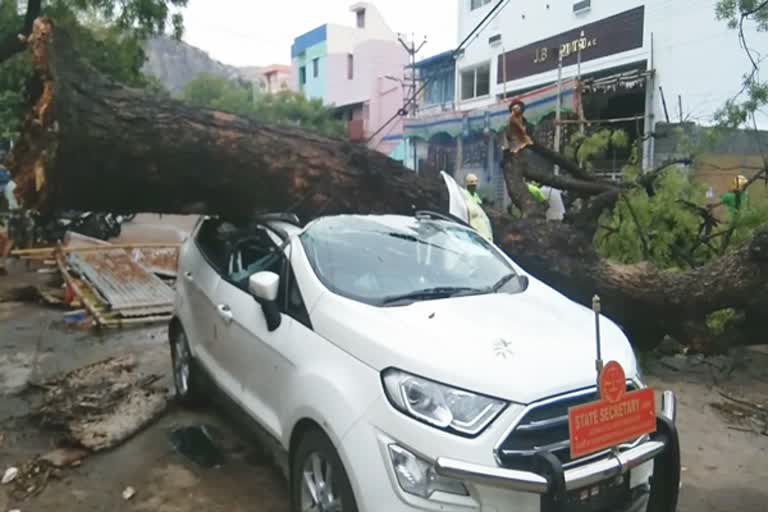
(347, 68)
(633, 62)
(270, 79)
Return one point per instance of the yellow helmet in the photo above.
(739, 182)
(470, 180)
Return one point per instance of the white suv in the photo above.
(405, 363)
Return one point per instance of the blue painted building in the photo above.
(309, 54)
(346, 68)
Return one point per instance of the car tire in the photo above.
(318, 476)
(186, 376)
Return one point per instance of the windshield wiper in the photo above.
(501, 282)
(412, 238)
(443, 292)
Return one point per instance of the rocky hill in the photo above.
(176, 64)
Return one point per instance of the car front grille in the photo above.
(544, 426)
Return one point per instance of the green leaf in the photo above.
(285, 107)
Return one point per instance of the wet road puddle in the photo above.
(196, 444)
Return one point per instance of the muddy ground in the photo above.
(725, 467)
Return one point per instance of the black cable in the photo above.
(403, 110)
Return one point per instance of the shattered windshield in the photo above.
(398, 260)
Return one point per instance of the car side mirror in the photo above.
(523, 282)
(264, 286)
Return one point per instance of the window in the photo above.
(476, 4)
(440, 88)
(350, 66)
(302, 75)
(315, 67)
(212, 239)
(361, 18)
(380, 260)
(582, 6)
(252, 251)
(476, 82)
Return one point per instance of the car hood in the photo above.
(521, 347)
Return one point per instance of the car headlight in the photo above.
(440, 405)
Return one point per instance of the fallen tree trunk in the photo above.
(92, 144)
(644, 300)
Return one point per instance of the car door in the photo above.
(245, 348)
(200, 270)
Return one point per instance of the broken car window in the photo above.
(374, 260)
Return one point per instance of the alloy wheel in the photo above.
(181, 362)
(317, 489)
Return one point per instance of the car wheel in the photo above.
(319, 482)
(186, 378)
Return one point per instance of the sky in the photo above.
(247, 32)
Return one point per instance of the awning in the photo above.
(539, 103)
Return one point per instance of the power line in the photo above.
(489, 17)
(425, 83)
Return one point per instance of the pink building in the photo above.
(274, 78)
(347, 66)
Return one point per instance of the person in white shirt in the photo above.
(8, 204)
(554, 197)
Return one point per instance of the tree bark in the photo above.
(91, 144)
(516, 168)
(15, 43)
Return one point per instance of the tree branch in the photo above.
(515, 169)
(570, 167)
(591, 188)
(753, 11)
(16, 43)
(646, 180)
(636, 220)
(586, 219)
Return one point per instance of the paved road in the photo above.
(34, 345)
(152, 228)
(726, 470)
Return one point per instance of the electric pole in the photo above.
(413, 50)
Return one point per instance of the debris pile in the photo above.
(31, 479)
(742, 414)
(109, 285)
(124, 286)
(101, 405)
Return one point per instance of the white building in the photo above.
(677, 45)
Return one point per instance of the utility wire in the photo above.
(403, 110)
(489, 17)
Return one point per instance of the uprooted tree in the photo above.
(89, 143)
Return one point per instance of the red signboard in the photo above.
(618, 417)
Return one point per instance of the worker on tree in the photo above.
(519, 131)
(8, 205)
(736, 199)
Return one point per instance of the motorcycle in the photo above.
(104, 226)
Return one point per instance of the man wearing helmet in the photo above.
(471, 183)
(477, 217)
(736, 199)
